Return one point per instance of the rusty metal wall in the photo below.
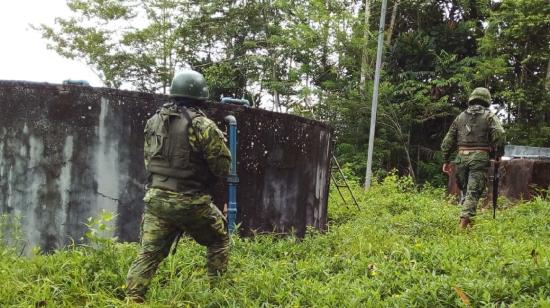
(67, 152)
(520, 179)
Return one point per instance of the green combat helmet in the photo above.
(189, 84)
(480, 95)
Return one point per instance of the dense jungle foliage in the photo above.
(402, 249)
(316, 58)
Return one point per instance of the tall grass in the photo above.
(401, 249)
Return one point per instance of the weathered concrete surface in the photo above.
(524, 178)
(67, 152)
(520, 179)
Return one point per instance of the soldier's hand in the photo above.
(225, 210)
(446, 168)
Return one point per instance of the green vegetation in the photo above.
(316, 58)
(402, 249)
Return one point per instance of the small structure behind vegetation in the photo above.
(524, 173)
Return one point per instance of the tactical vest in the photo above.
(473, 127)
(168, 155)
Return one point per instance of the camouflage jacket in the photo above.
(474, 127)
(205, 137)
(183, 149)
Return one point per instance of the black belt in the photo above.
(173, 184)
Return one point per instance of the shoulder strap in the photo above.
(191, 113)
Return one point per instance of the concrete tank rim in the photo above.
(129, 93)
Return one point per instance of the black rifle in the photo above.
(496, 177)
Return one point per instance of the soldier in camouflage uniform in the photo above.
(477, 133)
(185, 153)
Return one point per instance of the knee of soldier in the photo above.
(473, 194)
(223, 240)
(221, 243)
(152, 251)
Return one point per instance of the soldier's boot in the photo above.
(464, 223)
(135, 299)
(135, 293)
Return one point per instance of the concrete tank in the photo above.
(67, 152)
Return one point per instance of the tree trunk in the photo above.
(364, 56)
(408, 157)
(418, 160)
(404, 140)
(547, 84)
(392, 22)
(326, 35)
(164, 53)
(276, 101)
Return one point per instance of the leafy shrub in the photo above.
(400, 249)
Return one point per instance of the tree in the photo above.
(105, 35)
(516, 50)
(313, 58)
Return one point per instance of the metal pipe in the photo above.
(232, 179)
(235, 101)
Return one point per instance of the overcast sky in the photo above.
(23, 52)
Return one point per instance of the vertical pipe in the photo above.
(232, 179)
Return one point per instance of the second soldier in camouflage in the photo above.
(475, 133)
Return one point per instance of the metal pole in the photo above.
(375, 92)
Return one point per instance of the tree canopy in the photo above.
(316, 58)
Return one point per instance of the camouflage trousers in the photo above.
(471, 175)
(166, 215)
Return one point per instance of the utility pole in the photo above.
(375, 92)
